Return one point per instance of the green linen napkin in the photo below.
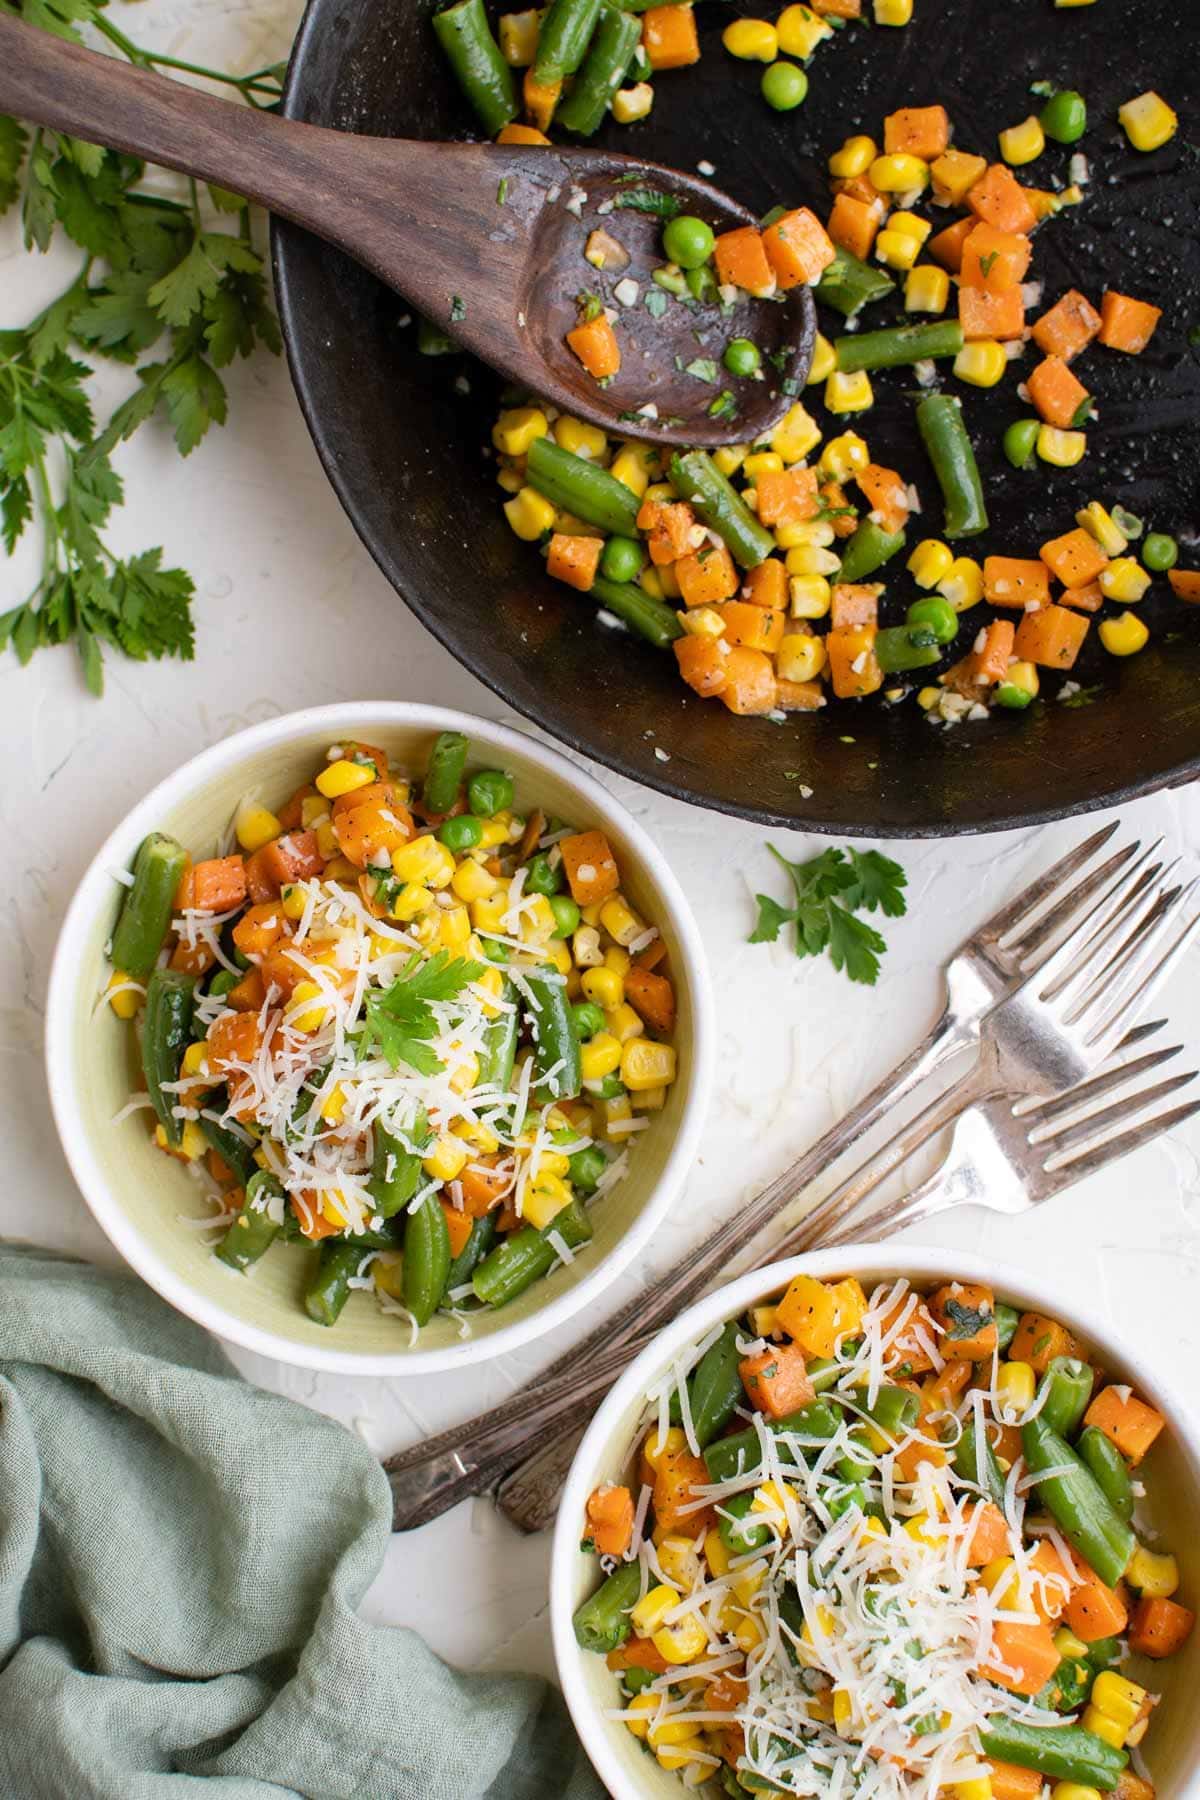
(181, 1559)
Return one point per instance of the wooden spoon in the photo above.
(486, 240)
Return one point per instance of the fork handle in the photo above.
(435, 1475)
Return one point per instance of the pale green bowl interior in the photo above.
(1173, 1499)
(152, 1191)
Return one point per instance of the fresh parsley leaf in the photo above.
(830, 889)
(13, 142)
(854, 946)
(650, 200)
(771, 919)
(703, 368)
(724, 406)
(879, 882)
(400, 1019)
(195, 399)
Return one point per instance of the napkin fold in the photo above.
(181, 1560)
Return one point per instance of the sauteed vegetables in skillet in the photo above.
(891, 1545)
(401, 1021)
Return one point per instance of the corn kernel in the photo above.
(799, 31)
(646, 1064)
(343, 776)
(313, 811)
(806, 559)
(1099, 523)
(930, 562)
(327, 843)
(1062, 449)
(194, 1060)
(849, 393)
(613, 1117)
(649, 1100)
(978, 1788)
(424, 860)
(632, 103)
(604, 987)
(1068, 1645)
(471, 881)
(1015, 1384)
(954, 174)
(125, 1001)
(1149, 122)
(579, 438)
(516, 429)
(668, 581)
(926, 289)
(387, 1272)
(896, 249)
(899, 174)
(824, 361)
(653, 1607)
(254, 826)
(600, 1056)
(910, 224)
(1001, 1580)
(333, 1106)
(623, 1023)
(893, 12)
(751, 40)
(729, 458)
(617, 958)
(854, 158)
(810, 596)
(1111, 1731)
(309, 1008)
(795, 435)
(1023, 675)
(620, 921)
(843, 456)
(682, 1643)
(530, 514)
(818, 533)
(1124, 636)
(1152, 1574)
(1125, 580)
(762, 462)
(800, 657)
(509, 479)
(928, 697)
(448, 1158)
(519, 38)
(963, 586)
(981, 362)
(545, 1198)
(1023, 143)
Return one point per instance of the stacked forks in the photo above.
(1048, 994)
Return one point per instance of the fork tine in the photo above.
(1086, 1132)
(1066, 1174)
(1088, 939)
(1063, 910)
(1087, 1091)
(1140, 913)
(1139, 984)
(1038, 892)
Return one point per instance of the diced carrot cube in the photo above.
(592, 872)
(677, 1475)
(314, 1224)
(999, 199)
(1012, 1783)
(886, 496)
(989, 1537)
(1126, 1421)
(776, 1380)
(742, 262)
(853, 225)
(1038, 1340)
(861, 187)
(767, 585)
(668, 524)
(922, 131)
(540, 98)
(1015, 581)
(1127, 324)
(854, 604)
(669, 37)
(652, 997)
(637, 1653)
(1068, 327)
(799, 696)
(193, 959)
(610, 1519)
(1075, 559)
(947, 247)
(1023, 1657)
(213, 886)
(798, 247)
(1185, 584)
(750, 685)
(702, 663)
(574, 560)
(788, 496)
(259, 928)
(459, 1225)
(521, 134)
(966, 1313)
(993, 259)
(983, 314)
(294, 857)
(595, 344)
(853, 668)
(1087, 599)
(233, 1038)
(1059, 396)
(483, 1187)
(986, 666)
(377, 824)
(1095, 1611)
(291, 813)
(1052, 637)
(1159, 1627)
(752, 627)
(1054, 1581)
(706, 576)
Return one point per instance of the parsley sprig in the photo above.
(830, 890)
(400, 1019)
(161, 288)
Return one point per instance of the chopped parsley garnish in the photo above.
(724, 406)
(502, 192)
(590, 305)
(987, 263)
(400, 1019)
(830, 889)
(650, 200)
(656, 303)
(458, 309)
(703, 368)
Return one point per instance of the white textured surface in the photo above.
(291, 612)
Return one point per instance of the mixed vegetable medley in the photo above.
(891, 1545)
(401, 1021)
(769, 569)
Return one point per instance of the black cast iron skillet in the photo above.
(405, 448)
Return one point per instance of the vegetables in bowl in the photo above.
(885, 1542)
(400, 1021)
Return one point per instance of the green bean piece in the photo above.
(432, 340)
(483, 1236)
(815, 1423)
(565, 34)
(329, 1287)
(602, 1623)
(896, 650)
(1020, 442)
(937, 618)
(500, 1043)
(697, 479)
(443, 776)
(474, 55)
(579, 487)
(791, 1615)
(894, 1410)
(587, 1168)
(651, 619)
(1077, 1502)
(222, 983)
(1067, 1385)
(556, 1058)
(166, 1033)
(254, 1230)
(739, 1531)
(714, 1388)
(616, 39)
(1067, 1688)
(853, 1468)
(940, 422)
(634, 1680)
(145, 917)
(848, 284)
(1064, 1752)
(867, 550)
(234, 1151)
(898, 346)
(1105, 1653)
(527, 1255)
(1108, 1468)
(541, 877)
(825, 1371)
(426, 1259)
(1007, 1320)
(395, 1170)
(975, 1461)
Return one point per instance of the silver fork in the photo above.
(1009, 953)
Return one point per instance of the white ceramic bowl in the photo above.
(138, 1195)
(1173, 1745)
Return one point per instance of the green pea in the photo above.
(463, 832)
(1020, 442)
(489, 792)
(588, 1019)
(688, 241)
(541, 877)
(742, 357)
(784, 86)
(623, 559)
(1015, 698)
(609, 1087)
(936, 615)
(1160, 552)
(222, 982)
(1064, 117)
(587, 1166)
(566, 915)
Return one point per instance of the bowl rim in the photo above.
(866, 1260)
(362, 717)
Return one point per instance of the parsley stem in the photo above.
(145, 59)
